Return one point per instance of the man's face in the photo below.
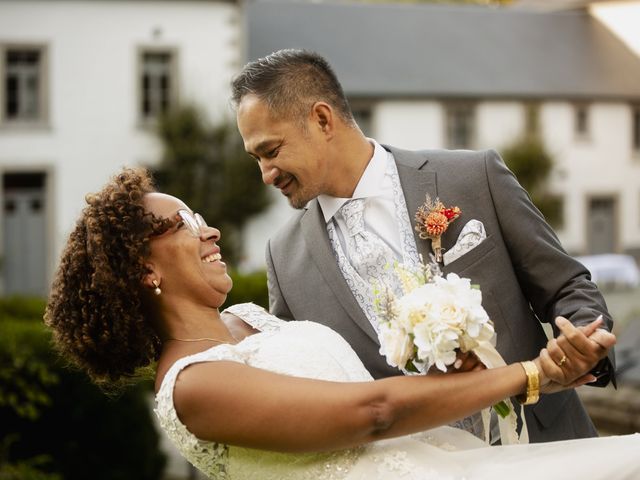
(291, 158)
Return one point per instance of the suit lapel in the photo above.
(314, 231)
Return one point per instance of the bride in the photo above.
(246, 395)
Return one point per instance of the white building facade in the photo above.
(82, 83)
(595, 147)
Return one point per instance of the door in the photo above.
(601, 229)
(23, 234)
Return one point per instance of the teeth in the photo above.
(211, 258)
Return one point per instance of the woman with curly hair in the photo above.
(246, 395)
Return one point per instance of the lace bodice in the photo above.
(302, 349)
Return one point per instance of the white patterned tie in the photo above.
(369, 255)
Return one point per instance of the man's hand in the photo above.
(568, 359)
(465, 362)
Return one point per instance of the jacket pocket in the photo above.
(460, 264)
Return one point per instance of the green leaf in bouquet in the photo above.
(502, 409)
(410, 367)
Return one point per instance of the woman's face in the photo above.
(187, 266)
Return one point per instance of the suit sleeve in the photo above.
(553, 282)
(277, 304)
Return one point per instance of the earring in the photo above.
(156, 290)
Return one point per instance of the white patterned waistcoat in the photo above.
(363, 291)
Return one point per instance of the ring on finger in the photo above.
(562, 360)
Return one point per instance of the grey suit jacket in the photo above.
(524, 274)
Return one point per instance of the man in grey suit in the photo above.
(296, 122)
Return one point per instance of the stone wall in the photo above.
(614, 412)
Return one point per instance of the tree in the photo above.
(209, 170)
(531, 163)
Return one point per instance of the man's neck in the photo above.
(352, 153)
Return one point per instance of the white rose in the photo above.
(436, 343)
(452, 315)
(412, 307)
(395, 345)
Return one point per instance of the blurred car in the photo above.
(612, 269)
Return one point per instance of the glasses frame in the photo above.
(193, 221)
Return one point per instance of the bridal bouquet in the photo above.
(433, 319)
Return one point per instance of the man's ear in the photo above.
(322, 115)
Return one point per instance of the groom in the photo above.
(357, 202)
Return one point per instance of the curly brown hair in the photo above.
(96, 307)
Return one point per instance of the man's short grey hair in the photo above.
(290, 82)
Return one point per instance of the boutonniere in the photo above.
(432, 220)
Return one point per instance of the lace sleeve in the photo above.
(256, 316)
(209, 457)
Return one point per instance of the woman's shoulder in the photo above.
(260, 320)
(170, 368)
(255, 316)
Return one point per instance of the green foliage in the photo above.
(209, 170)
(531, 163)
(551, 207)
(25, 376)
(55, 423)
(250, 287)
(22, 308)
(27, 470)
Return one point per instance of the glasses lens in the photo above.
(200, 221)
(190, 222)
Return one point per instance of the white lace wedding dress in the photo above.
(307, 349)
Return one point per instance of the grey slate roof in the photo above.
(435, 50)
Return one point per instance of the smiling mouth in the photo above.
(214, 257)
(284, 185)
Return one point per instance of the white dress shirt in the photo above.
(379, 213)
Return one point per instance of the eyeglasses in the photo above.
(193, 221)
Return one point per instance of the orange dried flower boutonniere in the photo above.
(432, 220)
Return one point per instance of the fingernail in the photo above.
(457, 364)
(599, 319)
(592, 379)
(560, 321)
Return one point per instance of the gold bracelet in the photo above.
(533, 384)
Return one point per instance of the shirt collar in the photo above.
(369, 185)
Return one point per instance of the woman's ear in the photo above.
(152, 278)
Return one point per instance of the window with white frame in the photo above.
(362, 114)
(532, 118)
(158, 84)
(460, 125)
(635, 129)
(581, 115)
(23, 84)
